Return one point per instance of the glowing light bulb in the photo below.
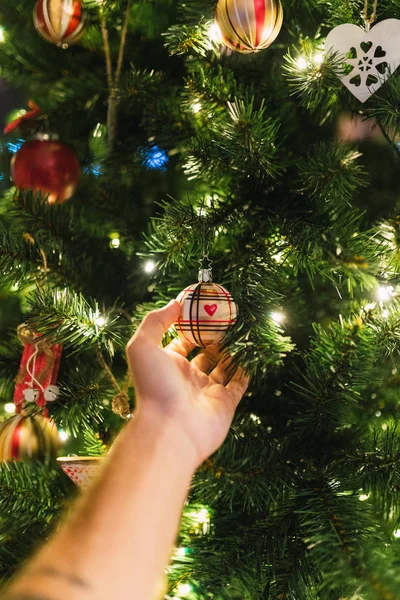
(396, 533)
(302, 63)
(214, 33)
(183, 589)
(385, 292)
(100, 321)
(363, 497)
(149, 266)
(196, 107)
(63, 435)
(2, 36)
(181, 551)
(115, 241)
(318, 58)
(9, 408)
(278, 317)
(97, 131)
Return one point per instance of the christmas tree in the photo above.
(280, 168)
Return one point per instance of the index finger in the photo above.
(155, 324)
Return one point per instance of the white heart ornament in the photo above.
(370, 57)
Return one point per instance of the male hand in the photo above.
(197, 398)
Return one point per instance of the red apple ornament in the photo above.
(46, 165)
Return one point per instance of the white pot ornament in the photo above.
(370, 57)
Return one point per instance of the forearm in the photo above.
(117, 542)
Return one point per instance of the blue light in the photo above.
(155, 158)
(94, 168)
(1, 176)
(13, 147)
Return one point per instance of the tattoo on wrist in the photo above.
(53, 572)
(73, 580)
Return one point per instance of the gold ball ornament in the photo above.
(61, 22)
(24, 436)
(207, 312)
(249, 25)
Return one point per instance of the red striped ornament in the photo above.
(249, 25)
(24, 436)
(61, 22)
(207, 312)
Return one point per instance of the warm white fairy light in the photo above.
(100, 321)
(9, 408)
(302, 63)
(385, 292)
(318, 58)
(363, 497)
(214, 33)
(278, 317)
(396, 533)
(181, 551)
(97, 131)
(149, 266)
(2, 36)
(196, 107)
(183, 589)
(63, 435)
(115, 242)
(201, 520)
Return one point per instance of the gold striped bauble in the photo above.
(207, 312)
(61, 22)
(249, 25)
(24, 436)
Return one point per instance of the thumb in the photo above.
(156, 323)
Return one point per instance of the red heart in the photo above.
(210, 309)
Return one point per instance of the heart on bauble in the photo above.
(370, 57)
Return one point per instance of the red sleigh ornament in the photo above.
(38, 372)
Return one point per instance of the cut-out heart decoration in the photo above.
(369, 57)
(210, 309)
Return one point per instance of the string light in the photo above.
(201, 520)
(2, 36)
(316, 60)
(98, 131)
(196, 107)
(302, 63)
(100, 321)
(214, 33)
(363, 497)
(278, 317)
(385, 292)
(183, 589)
(63, 435)
(181, 551)
(149, 266)
(115, 241)
(396, 533)
(9, 408)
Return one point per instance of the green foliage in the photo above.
(241, 158)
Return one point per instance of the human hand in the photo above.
(197, 398)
